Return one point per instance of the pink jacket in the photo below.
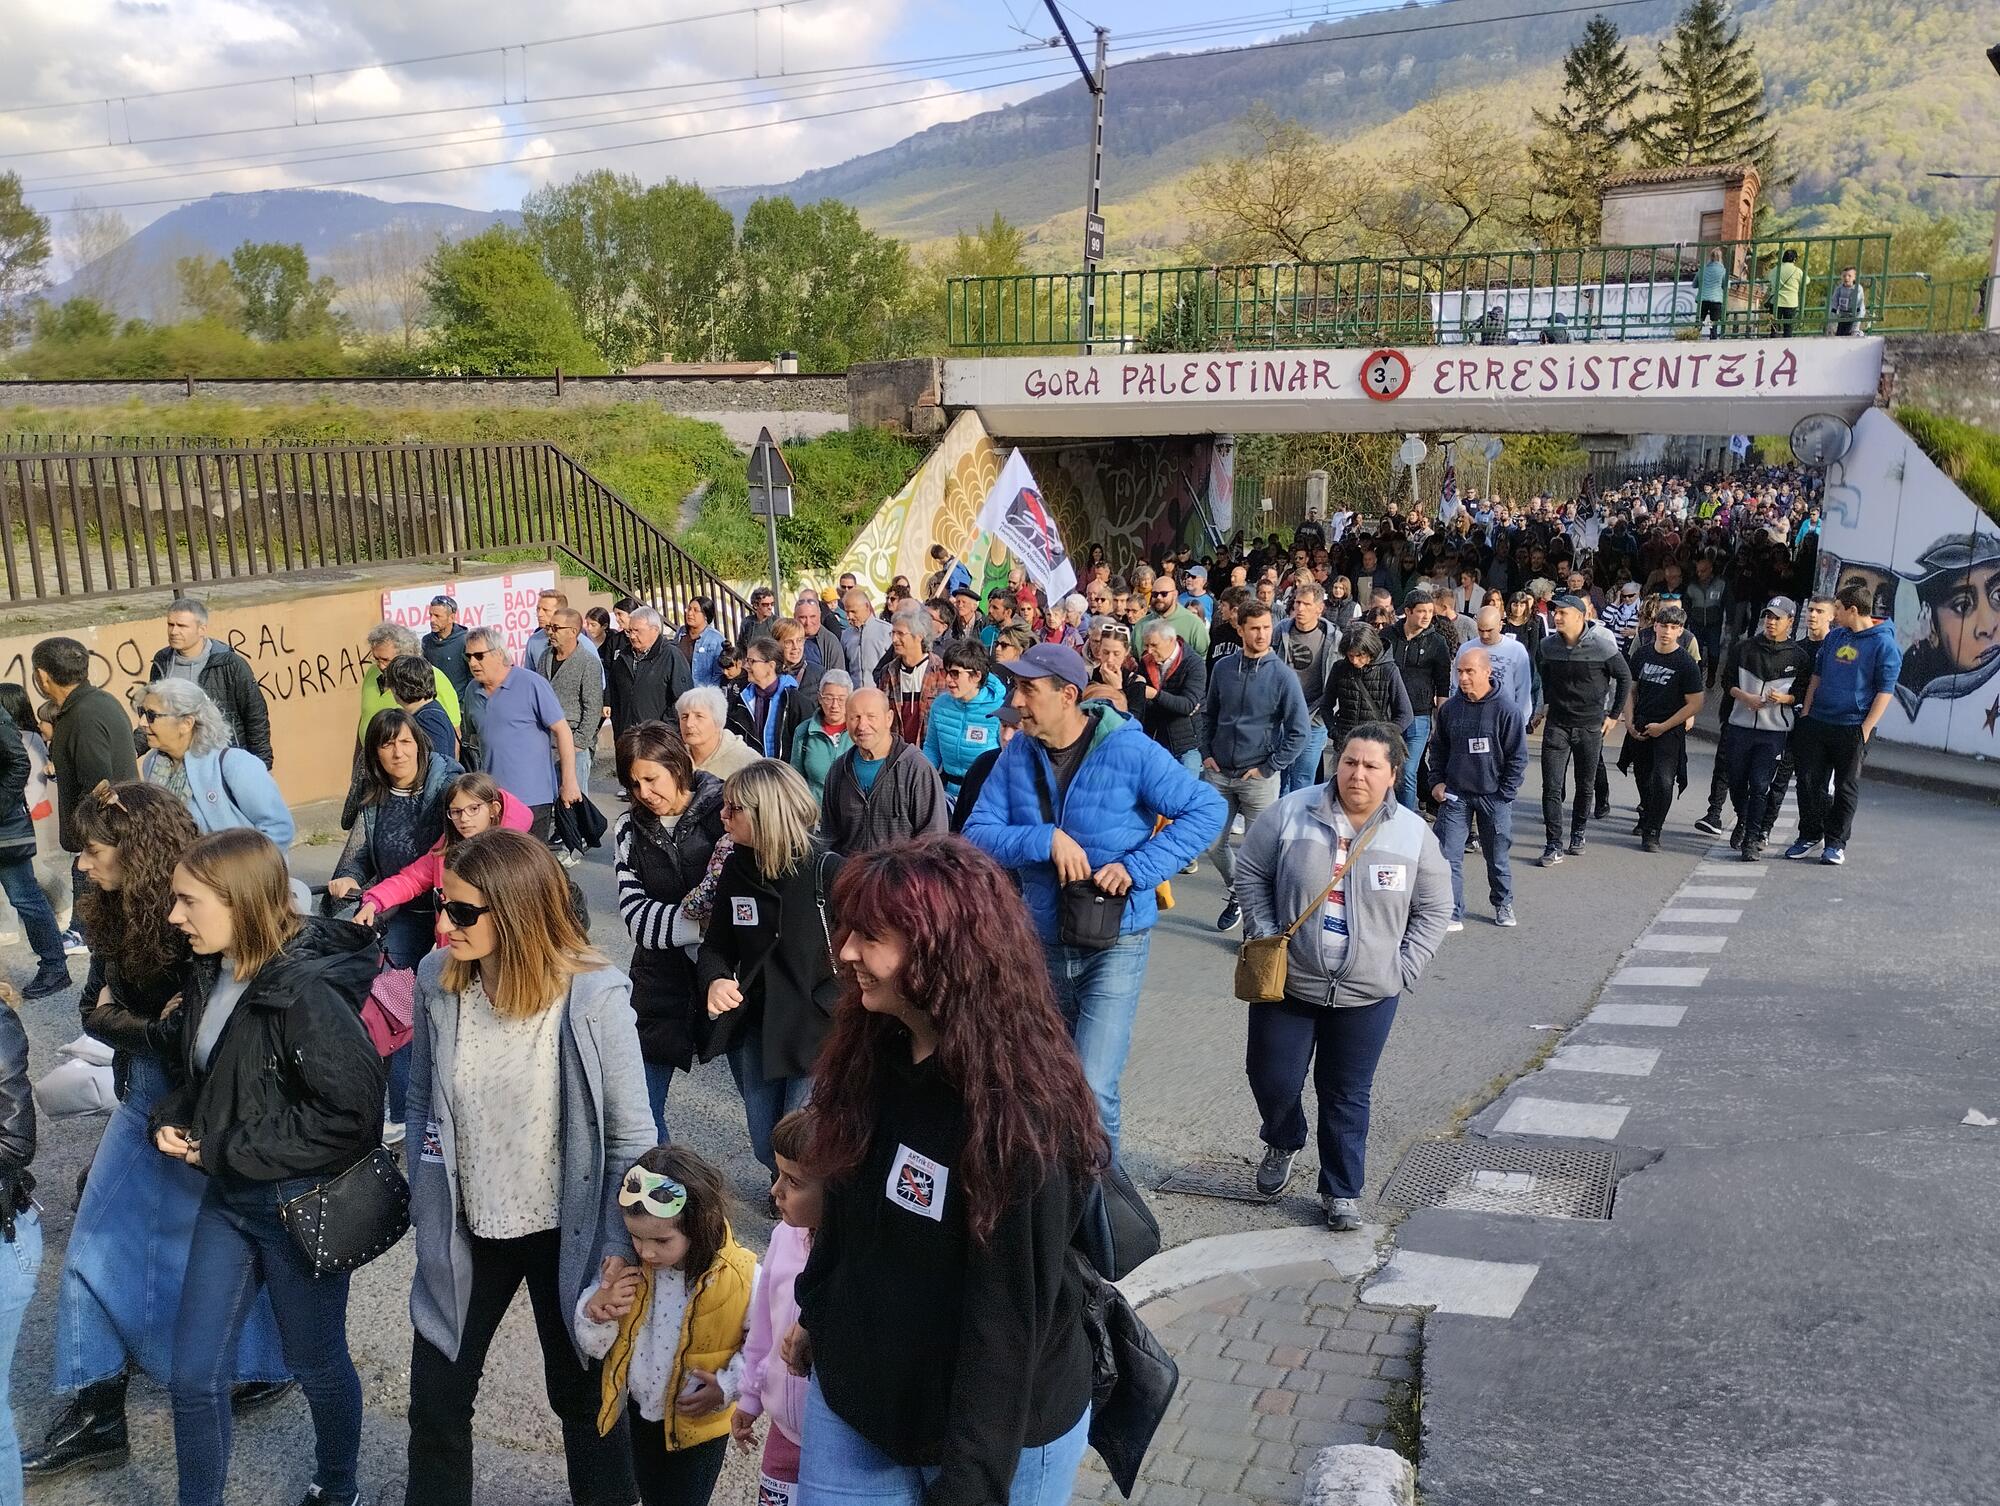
(425, 874)
(768, 1385)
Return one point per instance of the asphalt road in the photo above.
(1483, 1013)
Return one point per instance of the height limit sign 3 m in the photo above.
(1385, 375)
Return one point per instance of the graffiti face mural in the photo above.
(1957, 648)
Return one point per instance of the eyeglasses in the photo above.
(150, 716)
(463, 812)
(658, 1195)
(462, 914)
(474, 655)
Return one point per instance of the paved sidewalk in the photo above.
(1276, 1365)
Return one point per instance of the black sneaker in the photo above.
(1603, 811)
(253, 1396)
(1649, 843)
(1753, 852)
(1551, 855)
(1274, 1172)
(1575, 845)
(90, 1434)
(50, 978)
(314, 1496)
(1709, 825)
(1736, 837)
(1638, 828)
(1230, 918)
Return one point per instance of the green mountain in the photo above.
(1868, 95)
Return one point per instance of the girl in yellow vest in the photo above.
(671, 1330)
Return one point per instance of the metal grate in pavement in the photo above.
(1234, 1180)
(1478, 1177)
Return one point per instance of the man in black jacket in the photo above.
(92, 741)
(444, 645)
(217, 668)
(1763, 684)
(1477, 759)
(1176, 685)
(1423, 657)
(648, 675)
(1585, 680)
(17, 870)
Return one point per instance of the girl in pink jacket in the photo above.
(473, 803)
(769, 1386)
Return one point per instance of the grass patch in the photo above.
(1964, 452)
(1405, 1433)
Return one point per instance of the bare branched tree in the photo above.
(1288, 194)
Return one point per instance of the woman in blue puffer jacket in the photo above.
(965, 723)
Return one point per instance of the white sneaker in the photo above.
(1236, 826)
(392, 1132)
(569, 857)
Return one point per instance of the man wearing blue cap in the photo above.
(1074, 809)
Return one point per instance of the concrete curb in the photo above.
(1911, 768)
(1360, 1474)
(1352, 1256)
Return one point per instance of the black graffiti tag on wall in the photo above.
(283, 672)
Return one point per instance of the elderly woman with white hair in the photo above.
(704, 721)
(911, 676)
(190, 755)
(1076, 613)
(823, 736)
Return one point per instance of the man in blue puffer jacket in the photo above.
(1079, 800)
(966, 722)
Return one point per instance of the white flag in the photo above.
(1739, 444)
(1015, 514)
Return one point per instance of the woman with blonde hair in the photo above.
(528, 1102)
(282, 1092)
(765, 971)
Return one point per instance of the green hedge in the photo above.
(1967, 454)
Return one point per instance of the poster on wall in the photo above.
(1898, 526)
(1016, 515)
(503, 601)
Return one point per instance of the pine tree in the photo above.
(1711, 97)
(1584, 141)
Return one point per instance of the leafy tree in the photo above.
(207, 292)
(282, 300)
(497, 311)
(1287, 194)
(586, 231)
(24, 255)
(1710, 96)
(1462, 184)
(74, 321)
(997, 249)
(813, 279)
(1583, 141)
(682, 248)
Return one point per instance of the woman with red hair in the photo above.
(960, 1142)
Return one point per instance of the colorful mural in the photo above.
(1897, 524)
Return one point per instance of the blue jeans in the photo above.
(1305, 771)
(765, 1100)
(658, 1079)
(839, 1465)
(20, 1261)
(38, 920)
(399, 1081)
(239, 1249)
(1494, 819)
(1098, 994)
(1342, 1047)
(1417, 738)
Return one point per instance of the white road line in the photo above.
(1619, 1061)
(1679, 916)
(1662, 1015)
(1677, 941)
(1715, 891)
(1659, 977)
(1555, 1116)
(1473, 1288)
(1738, 869)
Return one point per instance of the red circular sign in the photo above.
(1385, 375)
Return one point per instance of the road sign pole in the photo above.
(771, 530)
(1093, 222)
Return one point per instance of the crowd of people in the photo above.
(816, 811)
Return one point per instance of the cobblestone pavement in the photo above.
(1275, 1366)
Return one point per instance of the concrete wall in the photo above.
(1957, 375)
(1649, 215)
(307, 647)
(772, 393)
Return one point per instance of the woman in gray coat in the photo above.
(527, 1103)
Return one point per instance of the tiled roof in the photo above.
(1640, 176)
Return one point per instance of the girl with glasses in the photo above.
(527, 1093)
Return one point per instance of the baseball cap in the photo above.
(449, 603)
(1055, 661)
(1781, 606)
(1196, 572)
(1008, 716)
(1669, 612)
(1566, 603)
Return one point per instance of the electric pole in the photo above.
(1093, 221)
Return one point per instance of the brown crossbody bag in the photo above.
(1262, 961)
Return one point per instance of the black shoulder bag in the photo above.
(1086, 917)
(1133, 1378)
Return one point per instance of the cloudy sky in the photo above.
(142, 104)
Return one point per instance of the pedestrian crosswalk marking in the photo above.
(1619, 1061)
(1716, 891)
(1676, 915)
(1737, 869)
(1662, 1015)
(1451, 1284)
(1676, 941)
(1659, 977)
(1558, 1117)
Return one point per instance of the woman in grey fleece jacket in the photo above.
(1352, 957)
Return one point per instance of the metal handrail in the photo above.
(81, 524)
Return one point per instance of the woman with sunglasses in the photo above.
(222, 786)
(960, 1143)
(765, 959)
(128, 1250)
(661, 848)
(281, 1091)
(527, 1089)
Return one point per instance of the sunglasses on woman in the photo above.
(464, 915)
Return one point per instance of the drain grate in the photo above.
(1234, 1180)
(1477, 1177)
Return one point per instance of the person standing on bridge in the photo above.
(1786, 295)
(1366, 891)
(220, 670)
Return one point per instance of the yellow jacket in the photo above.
(711, 1333)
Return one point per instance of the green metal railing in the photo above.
(1491, 297)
